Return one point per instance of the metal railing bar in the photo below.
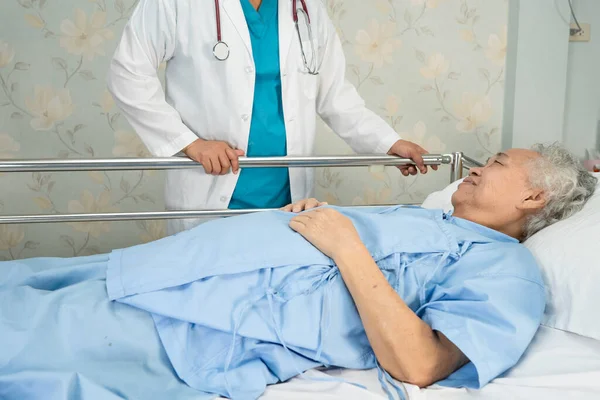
(137, 216)
(124, 164)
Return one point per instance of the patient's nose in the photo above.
(475, 171)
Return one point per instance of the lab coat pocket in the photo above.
(307, 61)
(309, 85)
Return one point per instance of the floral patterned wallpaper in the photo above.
(433, 69)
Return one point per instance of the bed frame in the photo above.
(457, 162)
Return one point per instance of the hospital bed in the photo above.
(561, 363)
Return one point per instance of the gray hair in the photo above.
(566, 183)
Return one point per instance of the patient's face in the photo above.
(499, 189)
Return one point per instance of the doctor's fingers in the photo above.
(233, 159)
(416, 155)
(205, 161)
(407, 170)
(215, 166)
(224, 161)
(419, 159)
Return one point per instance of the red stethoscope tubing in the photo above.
(295, 10)
(218, 17)
(225, 48)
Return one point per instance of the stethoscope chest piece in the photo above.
(221, 51)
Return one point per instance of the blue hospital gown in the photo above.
(244, 302)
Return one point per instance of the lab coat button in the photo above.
(245, 117)
(249, 70)
(223, 199)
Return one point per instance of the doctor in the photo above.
(242, 78)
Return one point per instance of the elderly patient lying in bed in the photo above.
(241, 303)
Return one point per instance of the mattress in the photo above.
(558, 365)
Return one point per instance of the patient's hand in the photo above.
(328, 230)
(304, 205)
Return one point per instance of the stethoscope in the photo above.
(221, 49)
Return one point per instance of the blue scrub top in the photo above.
(264, 187)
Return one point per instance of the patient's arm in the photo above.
(405, 346)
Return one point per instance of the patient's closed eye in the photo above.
(492, 160)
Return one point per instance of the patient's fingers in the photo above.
(289, 207)
(311, 203)
(304, 205)
(299, 222)
(299, 206)
(297, 226)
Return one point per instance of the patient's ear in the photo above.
(533, 200)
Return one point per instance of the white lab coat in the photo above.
(210, 99)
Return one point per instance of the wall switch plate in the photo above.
(583, 36)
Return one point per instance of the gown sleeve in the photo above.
(491, 316)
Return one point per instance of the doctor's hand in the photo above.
(328, 230)
(304, 205)
(215, 156)
(406, 149)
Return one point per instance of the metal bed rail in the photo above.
(457, 162)
(129, 164)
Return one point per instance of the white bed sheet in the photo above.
(558, 365)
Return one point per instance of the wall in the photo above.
(553, 85)
(510, 76)
(434, 69)
(582, 113)
(54, 57)
(538, 71)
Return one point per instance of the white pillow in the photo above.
(442, 199)
(567, 254)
